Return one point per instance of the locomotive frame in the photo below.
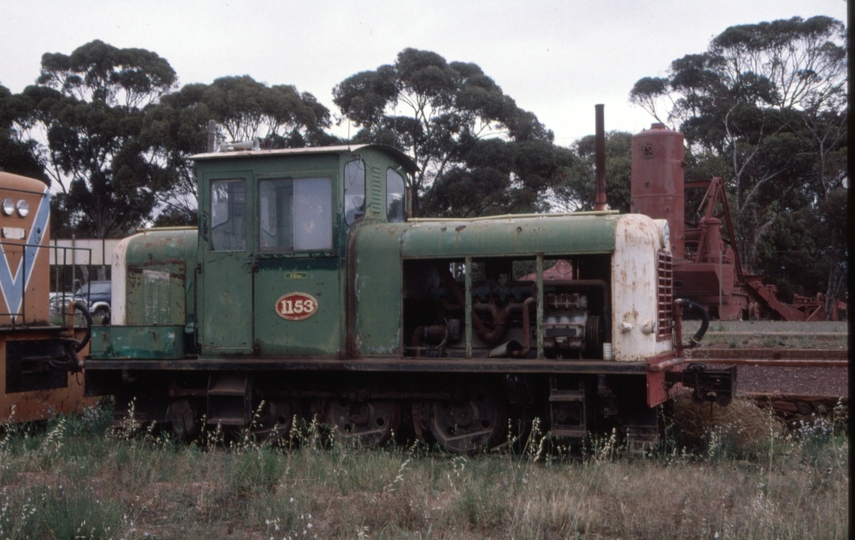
(306, 291)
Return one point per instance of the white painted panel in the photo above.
(635, 289)
(120, 276)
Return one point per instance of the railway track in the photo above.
(798, 384)
(766, 357)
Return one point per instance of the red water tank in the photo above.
(656, 184)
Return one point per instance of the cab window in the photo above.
(395, 211)
(354, 191)
(228, 215)
(295, 214)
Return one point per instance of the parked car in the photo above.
(97, 293)
(59, 302)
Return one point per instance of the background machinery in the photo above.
(707, 268)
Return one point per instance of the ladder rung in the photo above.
(567, 395)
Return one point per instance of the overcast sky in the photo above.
(555, 58)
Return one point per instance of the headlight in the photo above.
(8, 207)
(664, 234)
(23, 208)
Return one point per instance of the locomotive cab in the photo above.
(273, 244)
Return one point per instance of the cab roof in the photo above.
(409, 165)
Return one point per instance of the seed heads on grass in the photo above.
(534, 491)
(129, 425)
(399, 478)
(46, 512)
(601, 449)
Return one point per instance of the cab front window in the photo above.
(295, 214)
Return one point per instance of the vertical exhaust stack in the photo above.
(657, 183)
(600, 160)
(212, 136)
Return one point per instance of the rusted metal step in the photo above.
(567, 409)
(229, 399)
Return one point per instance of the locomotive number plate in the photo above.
(296, 306)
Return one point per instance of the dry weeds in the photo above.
(741, 422)
(735, 473)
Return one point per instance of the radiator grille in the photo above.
(665, 301)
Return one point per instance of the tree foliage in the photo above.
(242, 109)
(451, 118)
(98, 72)
(769, 100)
(16, 156)
(88, 108)
(578, 190)
(107, 129)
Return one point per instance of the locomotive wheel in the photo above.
(366, 423)
(476, 422)
(275, 420)
(271, 423)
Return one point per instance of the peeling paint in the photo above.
(634, 269)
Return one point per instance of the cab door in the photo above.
(226, 325)
(298, 309)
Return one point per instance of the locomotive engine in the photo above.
(306, 291)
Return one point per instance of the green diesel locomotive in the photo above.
(306, 291)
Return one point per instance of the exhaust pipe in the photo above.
(600, 160)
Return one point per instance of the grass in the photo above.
(729, 473)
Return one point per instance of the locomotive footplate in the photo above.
(718, 385)
(478, 365)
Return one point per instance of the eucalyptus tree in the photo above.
(241, 110)
(577, 190)
(16, 155)
(83, 118)
(475, 148)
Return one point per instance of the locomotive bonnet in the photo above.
(306, 291)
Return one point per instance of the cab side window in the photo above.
(395, 211)
(354, 191)
(228, 215)
(295, 214)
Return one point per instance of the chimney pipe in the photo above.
(600, 160)
(212, 136)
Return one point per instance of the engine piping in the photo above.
(698, 310)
